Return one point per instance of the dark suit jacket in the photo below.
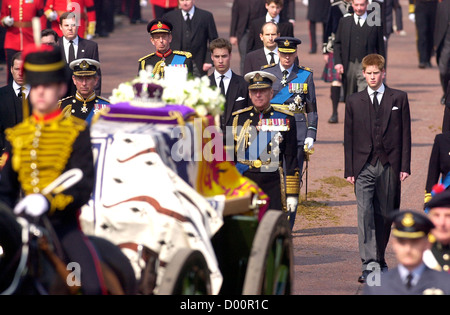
(254, 41)
(439, 164)
(255, 60)
(396, 130)
(11, 111)
(86, 49)
(236, 97)
(391, 284)
(203, 32)
(374, 42)
(442, 20)
(242, 13)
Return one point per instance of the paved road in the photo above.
(325, 241)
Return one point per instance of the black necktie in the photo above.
(71, 52)
(359, 21)
(285, 75)
(409, 281)
(20, 93)
(222, 85)
(272, 58)
(188, 20)
(375, 103)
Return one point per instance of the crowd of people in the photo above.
(271, 99)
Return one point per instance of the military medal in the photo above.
(84, 109)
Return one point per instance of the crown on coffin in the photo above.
(147, 95)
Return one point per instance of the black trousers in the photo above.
(270, 183)
(425, 23)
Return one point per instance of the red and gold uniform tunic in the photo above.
(20, 34)
(87, 14)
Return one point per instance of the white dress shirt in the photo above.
(269, 57)
(17, 87)
(226, 79)
(380, 94)
(66, 44)
(191, 13)
(362, 18)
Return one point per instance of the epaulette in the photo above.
(183, 53)
(284, 111)
(268, 66)
(145, 57)
(64, 99)
(243, 110)
(305, 68)
(103, 99)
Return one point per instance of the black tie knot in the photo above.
(222, 85)
(272, 57)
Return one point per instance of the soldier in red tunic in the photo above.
(84, 8)
(16, 16)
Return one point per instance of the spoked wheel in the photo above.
(269, 269)
(186, 274)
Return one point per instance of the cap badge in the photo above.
(286, 43)
(160, 25)
(258, 78)
(408, 220)
(84, 65)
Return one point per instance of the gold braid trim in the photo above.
(159, 69)
(282, 189)
(243, 135)
(59, 202)
(292, 184)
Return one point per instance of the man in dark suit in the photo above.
(193, 30)
(12, 96)
(442, 43)
(356, 37)
(294, 91)
(242, 13)
(411, 276)
(285, 28)
(377, 147)
(266, 55)
(75, 47)
(233, 86)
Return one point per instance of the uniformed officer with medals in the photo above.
(161, 36)
(85, 103)
(266, 144)
(294, 91)
(438, 208)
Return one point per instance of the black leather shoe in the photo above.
(362, 278)
(333, 119)
(422, 65)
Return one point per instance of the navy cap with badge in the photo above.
(84, 67)
(287, 45)
(411, 225)
(259, 80)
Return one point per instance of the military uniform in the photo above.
(438, 256)
(77, 105)
(157, 60)
(83, 108)
(414, 280)
(39, 150)
(295, 92)
(265, 146)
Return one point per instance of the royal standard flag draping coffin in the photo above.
(142, 195)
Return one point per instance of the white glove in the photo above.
(143, 3)
(8, 21)
(291, 204)
(309, 142)
(52, 16)
(412, 17)
(305, 2)
(33, 205)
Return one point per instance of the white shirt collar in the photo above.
(227, 75)
(416, 273)
(267, 51)
(269, 18)
(191, 12)
(289, 70)
(363, 17)
(66, 41)
(16, 87)
(380, 90)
